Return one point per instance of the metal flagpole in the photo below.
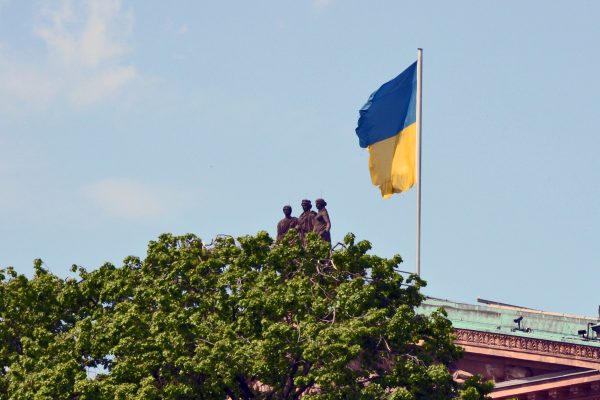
(418, 160)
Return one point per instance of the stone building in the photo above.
(530, 354)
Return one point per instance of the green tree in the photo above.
(245, 319)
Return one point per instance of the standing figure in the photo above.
(306, 220)
(322, 222)
(287, 223)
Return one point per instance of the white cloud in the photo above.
(99, 86)
(22, 82)
(127, 198)
(183, 29)
(281, 24)
(170, 27)
(85, 43)
(321, 5)
(97, 43)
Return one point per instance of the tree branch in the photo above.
(230, 393)
(299, 391)
(247, 393)
(289, 384)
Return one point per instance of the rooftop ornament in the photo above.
(595, 328)
(585, 333)
(519, 328)
(308, 221)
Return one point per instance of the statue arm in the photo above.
(327, 221)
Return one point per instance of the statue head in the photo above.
(287, 211)
(306, 205)
(320, 203)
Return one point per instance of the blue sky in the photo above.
(120, 120)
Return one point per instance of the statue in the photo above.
(306, 221)
(322, 224)
(287, 223)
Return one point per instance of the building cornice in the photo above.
(521, 344)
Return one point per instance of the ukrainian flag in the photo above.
(387, 126)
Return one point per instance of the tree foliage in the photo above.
(245, 319)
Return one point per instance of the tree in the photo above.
(245, 319)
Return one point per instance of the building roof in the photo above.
(499, 318)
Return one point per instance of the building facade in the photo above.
(530, 354)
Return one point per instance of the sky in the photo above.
(121, 120)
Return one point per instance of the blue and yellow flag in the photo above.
(387, 126)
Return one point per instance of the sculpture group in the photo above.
(308, 221)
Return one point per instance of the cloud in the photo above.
(24, 83)
(84, 37)
(100, 86)
(127, 198)
(281, 24)
(170, 27)
(183, 29)
(81, 60)
(322, 5)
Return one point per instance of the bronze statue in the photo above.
(287, 223)
(322, 224)
(306, 221)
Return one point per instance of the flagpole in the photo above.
(418, 160)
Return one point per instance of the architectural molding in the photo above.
(529, 345)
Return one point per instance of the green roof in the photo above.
(499, 318)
